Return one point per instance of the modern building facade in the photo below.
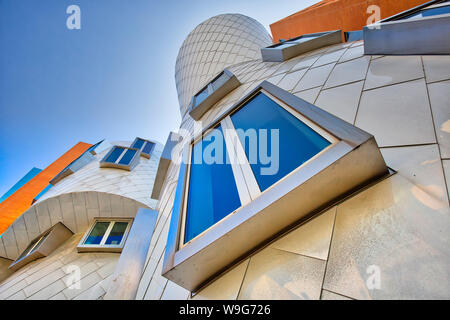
(323, 174)
(342, 15)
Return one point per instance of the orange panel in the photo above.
(327, 15)
(21, 200)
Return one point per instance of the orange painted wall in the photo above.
(21, 200)
(327, 15)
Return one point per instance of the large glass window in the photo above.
(281, 151)
(212, 190)
(267, 141)
(295, 143)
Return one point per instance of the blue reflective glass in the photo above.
(138, 144)
(212, 191)
(202, 95)
(354, 35)
(148, 147)
(220, 81)
(296, 141)
(97, 233)
(116, 234)
(127, 157)
(115, 154)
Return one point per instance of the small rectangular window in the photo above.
(105, 235)
(43, 245)
(117, 232)
(128, 155)
(286, 50)
(144, 146)
(215, 90)
(33, 246)
(97, 233)
(115, 154)
(201, 96)
(121, 158)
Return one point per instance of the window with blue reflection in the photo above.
(129, 154)
(148, 147)
(97, 233)
(296, 141)
(138, 144)
(212, 191)
(293, 42)
(202, 95)
(116, 234)
(114, 155)
(220, 81)
(429, 12)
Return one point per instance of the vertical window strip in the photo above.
(242, 162)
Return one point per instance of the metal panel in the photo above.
(126, 277)
(274, 54)
(428, 35)
(57, 234)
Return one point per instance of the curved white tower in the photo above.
(216, 43)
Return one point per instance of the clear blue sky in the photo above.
(112, 79)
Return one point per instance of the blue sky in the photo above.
(112, 79)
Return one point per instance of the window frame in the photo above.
(101, 247)
(144, 154)
(239, 233)
(196, 111)
(164, 163)
(398, 36)
(42, 245)
(130, 166)
(243, 174)
(318, 40)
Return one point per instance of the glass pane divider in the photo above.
(124, 150)
(107, 232)
(243, 162)
(187, 155)
(243, 191)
